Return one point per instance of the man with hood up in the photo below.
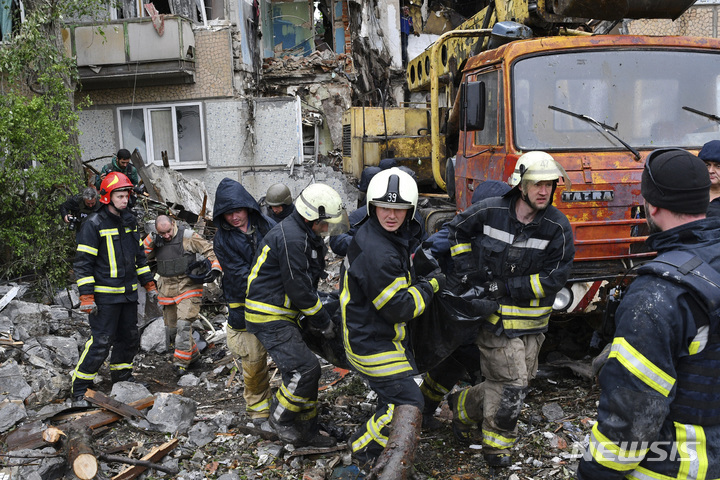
(240, 229)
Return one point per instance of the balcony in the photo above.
(131, 53)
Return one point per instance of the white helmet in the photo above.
(537, 167)
(320, 202)
(393, 188)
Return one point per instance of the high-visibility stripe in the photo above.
(496, 440)
(524, 312)
(693, 454)
(460, 248)
(254, 272)
(312, 310)
(537, 286)
(431, 389)
(236, 305)
(460, 410)
(183, 355)
(373, 430)
(533, 243)
(698, 343)
(120, 366)
(87, 249)
(85, 281)
(179, 298)
(389, 291)
(110, 245)
(84, 376)
(216, 265)
(142, 270)
(641, 367)
(261, 406)
(262, 318)
(106, 289)
(498, 234)
(419, 302)
(146, 244)
(382, 364)
(612, 456)
(268, 309)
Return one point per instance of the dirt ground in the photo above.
(546, 449)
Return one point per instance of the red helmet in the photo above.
(113, 181)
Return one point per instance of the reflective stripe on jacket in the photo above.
(285, 273)
(379, 296)
(636, 436)
(110, 262)
(533, 260)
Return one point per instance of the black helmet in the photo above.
(199, 271)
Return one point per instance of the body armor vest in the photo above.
(697, 398)
(172, 260)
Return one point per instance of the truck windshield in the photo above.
(640, 93)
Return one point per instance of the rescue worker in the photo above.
(465, 360)
(240, 229)
(280, 201)
(77, 207)
(659, 409)
(340, 243)
(406, 28)
(120, 163)
(179, 290)
(380, 294)
(283, 284)
(109, 265)
(520, 249)
(710, 154)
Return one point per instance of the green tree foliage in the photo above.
(38, 146)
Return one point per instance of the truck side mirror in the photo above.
(472, 108)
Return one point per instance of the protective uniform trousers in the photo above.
(113, 325)
(253, 356)
(508, 365)
(372, 437)
(296, 400)
(438, 381)
(180, 308)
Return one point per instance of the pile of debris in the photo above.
(195, 427)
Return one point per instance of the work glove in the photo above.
(212, 275)
(437, 280)
(495, 289)
(87, 304)
(321, 325)
(151, 293)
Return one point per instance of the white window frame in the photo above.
(149, 147)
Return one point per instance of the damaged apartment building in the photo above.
(248, 89)
(244, 89)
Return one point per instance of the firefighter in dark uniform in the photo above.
(109, 265)
(179, 290)
(520, 249)
(439, 380)
(380, 294)
(240, 229)
(282, 285)
(659, 410)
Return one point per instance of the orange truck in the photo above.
(540, 80)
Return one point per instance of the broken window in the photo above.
(195, 10)
(175, 132)
(299, 27)
(12, 14)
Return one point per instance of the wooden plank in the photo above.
(155, 455)
(99, 398)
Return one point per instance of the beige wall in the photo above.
(213, 76)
